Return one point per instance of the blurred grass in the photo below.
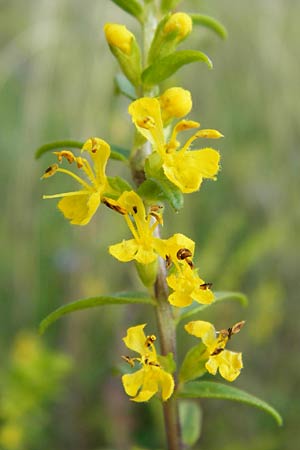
(55, 83)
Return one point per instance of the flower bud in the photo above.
(175, 103)
(118, 36)
(181, 24)
(171, 30)
(124, 47)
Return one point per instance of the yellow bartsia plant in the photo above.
(163, 168)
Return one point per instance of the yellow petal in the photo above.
(133, 204)
(146, 116)
(135, 339)
(180, 299)
(145, 254)
(187, 169)
(132, 382)
(124, 251)
(99, 151)
(79, 209)
(167, 384)
(201, 329)
(212, 365)
(170, 247)
(230, 364)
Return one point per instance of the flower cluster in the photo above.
(185, 169)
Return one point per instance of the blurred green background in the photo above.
(56, 82)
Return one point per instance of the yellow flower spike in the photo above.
(186, 169)
(80, 206)
(188, 286)
(118, 36)
(180, 23)
(227, 362)
(142, 247)
(175, 103)
(151, 378)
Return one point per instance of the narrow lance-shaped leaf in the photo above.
(210, 389)
(92, 302)
(211, 23)
(57, 145)
(132, 7)
(165, 67)
(220, 296)
(117, 153)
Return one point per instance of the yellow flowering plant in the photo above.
(163, 170)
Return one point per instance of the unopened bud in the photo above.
(175, 103)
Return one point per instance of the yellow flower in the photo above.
(80, 206)
(173, 248)
(184, 168)
(188, 286)
(229, 363)
(175, 103)
(118, 36)
(142, 246)
(151, 378)
(184, 280)
(180, 23)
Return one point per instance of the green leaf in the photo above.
(118, 153)
(57, 145)
(190, 416)
(165, 67)
(193, 365)
(210, 389)
(132, 7)
(92, 302)
(124, 86)
(167, 362)
(161, 189)
(211, 23)
(119, 184)
(220, 296)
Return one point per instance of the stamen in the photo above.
(168, 261)
(65, 154)
(131, 227)
(205, 286)
(129, 360)
(51, 170)
(112, 204)
(147, 122)
(76, 177)
(209, 134)
(184, 253)
(217, 351)
(66, 194)
(150, 340)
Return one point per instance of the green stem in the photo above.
(167, 334)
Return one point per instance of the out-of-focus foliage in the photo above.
(32, 377)
(56, 82)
